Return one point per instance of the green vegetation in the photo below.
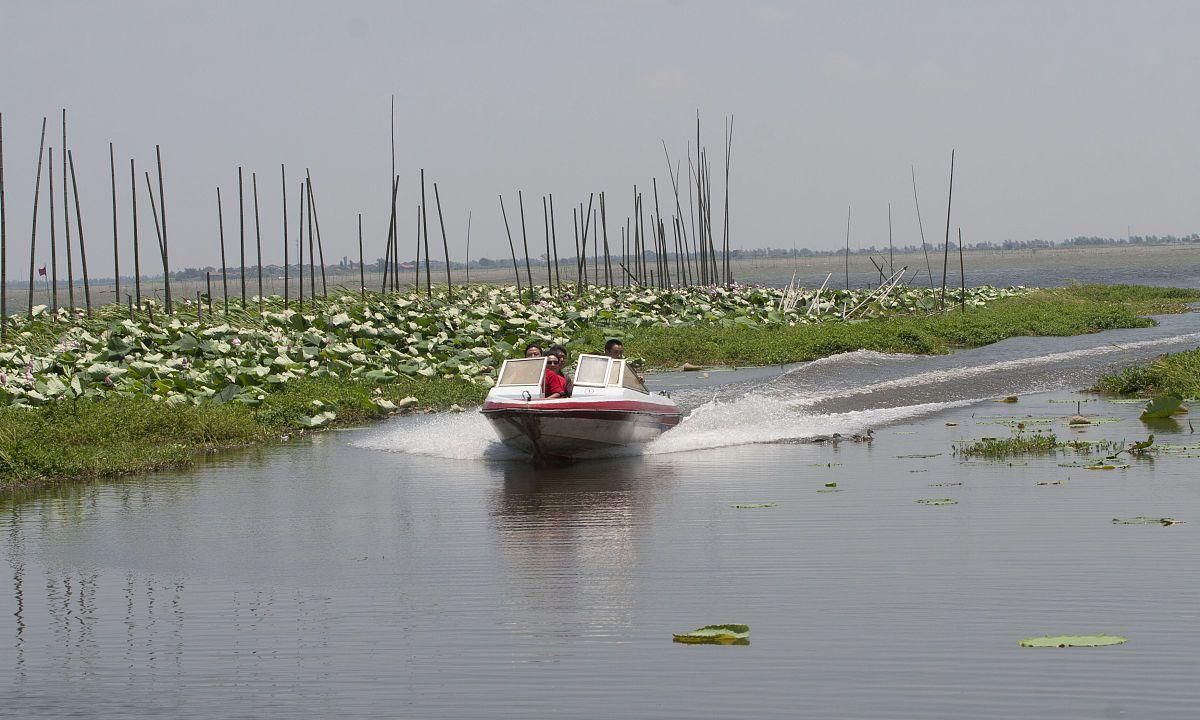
(1003, 448)
(83, 399)
(1172, 374)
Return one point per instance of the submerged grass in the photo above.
(90, 438)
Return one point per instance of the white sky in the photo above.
(1069, 118)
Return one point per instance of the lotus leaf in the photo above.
(1063, 641)
(1161, 406)
(731, 634)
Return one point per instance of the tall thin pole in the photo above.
(316, 218)
(362, 276)
(53, 238)
(921, 226)
(112, 171)
(312, 258)
(257, 238)
(525, 243)
(946, 253)
(157, 226)
(67, 216)
(847, 247)
(445, 244)
(728, 149)
(468, 250)
(554, 244)
(425, 232)
(283, 188)
(891, 258)
(37, 188)
(162, 206)
(962, 275)
(511, 249)
(87, 292)
(242, 234)
(221, 234)
(546, 225)
(607, 259)
(300, 244)
(3, 243)
(137, 264)
(391, 244)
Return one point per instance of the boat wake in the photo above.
(848, 393)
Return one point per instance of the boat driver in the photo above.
(533, 350)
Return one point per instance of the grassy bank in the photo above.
(1172, 374)
(165, 395)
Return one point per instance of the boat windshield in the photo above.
(592, 370)
(523, 371)
(614, 372)
(630, 380)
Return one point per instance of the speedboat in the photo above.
(609, 408)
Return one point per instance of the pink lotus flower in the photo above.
(3, 378)
(236, 342)
(108, 380)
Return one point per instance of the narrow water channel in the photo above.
(413, 569)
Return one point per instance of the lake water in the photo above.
(410, 569)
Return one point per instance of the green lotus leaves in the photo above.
(731, 634)
(1065, 641)
(1162, 406)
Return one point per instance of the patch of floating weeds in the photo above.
(729, 634)
(1065, 641)
(1001, 448)
(945, 484)
(937, 501)
(754, 506)
(1142, 520)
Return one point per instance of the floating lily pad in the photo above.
(1142, 520)
(918, 457)
(937, 501)
(830, 484)
(1162, 406)
(754, 506)
(1063, 641)
(716, 635)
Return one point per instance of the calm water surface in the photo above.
(411, 570)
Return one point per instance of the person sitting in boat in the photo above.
(561, 353)
(615, 349)
(554, 385)
(533, 350)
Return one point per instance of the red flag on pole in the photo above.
(42, 271)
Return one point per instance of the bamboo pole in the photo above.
(425, 232)
(946, 253)
(87, 291)
(283, 189)
(112, 172)
(468, 249)
(242, 234)
(578, 271)
(546, 225)
(659, 260)
(37, 189)
(208, 289)
(388, 246)
(137, 263)
(224, 271)
(300, 246)
(595, 247)
(316, 218)
(921, 226)
(157, 226)
(312, 258)
(53, 237)
(362, 276)
(847, 247)
(891, 257)
(511, 249)
(728, 149)
(162, 206)
(554, 243)
(525, 243)
(67, 216)
(445, 243)
(257, 239)
(962, 276)
(3, 243)
(608, 279)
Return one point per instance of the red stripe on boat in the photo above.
(599, 405)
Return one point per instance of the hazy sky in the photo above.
(1069, 118)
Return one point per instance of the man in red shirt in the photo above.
(553, 384)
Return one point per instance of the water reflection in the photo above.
(572, 537)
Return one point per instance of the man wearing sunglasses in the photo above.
(554, 385)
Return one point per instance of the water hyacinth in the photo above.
(243, 355)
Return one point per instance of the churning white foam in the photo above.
(458, 436)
